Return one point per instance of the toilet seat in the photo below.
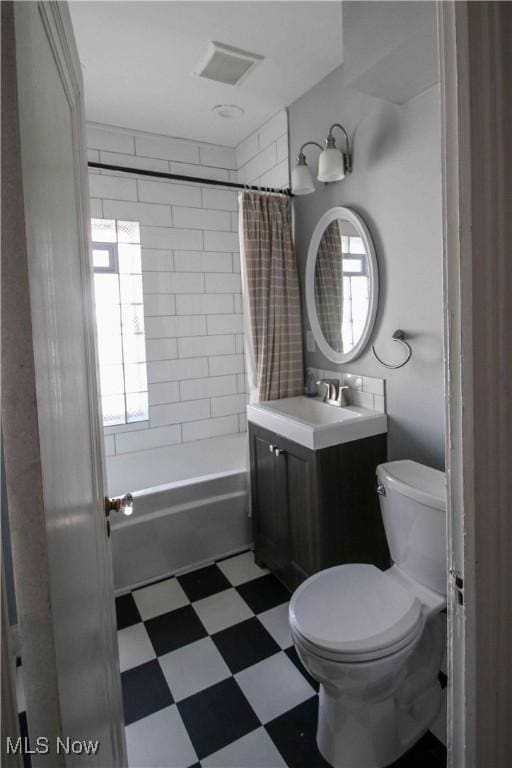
(355, 613)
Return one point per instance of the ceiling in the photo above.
(390, 48)
(139, 57)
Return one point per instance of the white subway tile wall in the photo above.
(191, 273)
(262, 158)
(364, 391)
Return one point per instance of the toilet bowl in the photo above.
(373, 638)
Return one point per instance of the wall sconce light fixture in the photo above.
(333, 164)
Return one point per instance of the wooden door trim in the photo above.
(458, 364)
(477, 169)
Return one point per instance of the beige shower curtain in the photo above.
(273, 332)
(329, 286)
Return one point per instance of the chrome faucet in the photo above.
(335, 393)
(330, 388)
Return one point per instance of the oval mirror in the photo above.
(341, 284)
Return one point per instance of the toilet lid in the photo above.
(354, 609)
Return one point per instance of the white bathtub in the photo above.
(191, 507)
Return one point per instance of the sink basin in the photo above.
(314, 424)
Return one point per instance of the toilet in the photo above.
(374, 639)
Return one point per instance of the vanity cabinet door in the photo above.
(286, 515)
(303, 513)
(269, 509)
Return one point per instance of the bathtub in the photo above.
(191, 507)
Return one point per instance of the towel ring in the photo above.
(400, 337)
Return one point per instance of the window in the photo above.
(355, 289)
(116, 259)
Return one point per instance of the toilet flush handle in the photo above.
(381, 489)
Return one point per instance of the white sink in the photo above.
(314, 424)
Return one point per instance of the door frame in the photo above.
(23, 469)
(476, 70)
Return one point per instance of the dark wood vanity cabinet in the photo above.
(315, 509)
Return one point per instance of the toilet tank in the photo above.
(413, 505)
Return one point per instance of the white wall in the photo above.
(396, 187)
(192, 292)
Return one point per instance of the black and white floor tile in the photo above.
(210, 677)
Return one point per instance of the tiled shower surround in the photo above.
(262, 158)
(191, 273)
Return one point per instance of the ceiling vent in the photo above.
(225, 64)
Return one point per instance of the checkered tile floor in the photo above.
(210, 677)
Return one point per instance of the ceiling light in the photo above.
(228, 111)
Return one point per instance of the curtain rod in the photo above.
(193, 179)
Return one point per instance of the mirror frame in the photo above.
(373, 273)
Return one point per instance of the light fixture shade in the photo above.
(331, 165)
(302, 181)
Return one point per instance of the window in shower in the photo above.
(116, 260)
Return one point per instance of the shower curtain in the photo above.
(329, 286)
(272, 318)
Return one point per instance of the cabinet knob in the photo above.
(279, 452)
